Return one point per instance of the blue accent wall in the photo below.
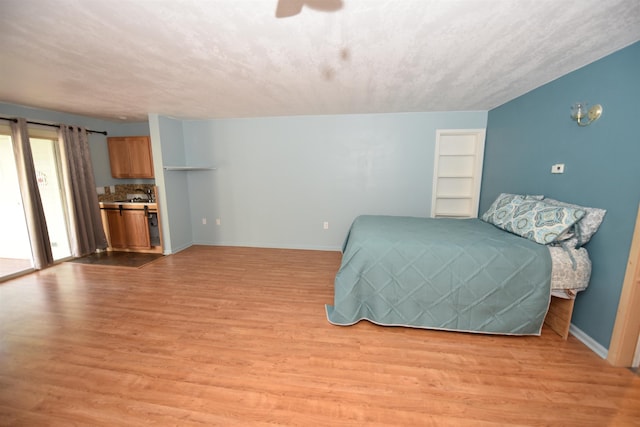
(602, 166)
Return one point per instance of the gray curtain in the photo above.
(33, 210)
(87, 233)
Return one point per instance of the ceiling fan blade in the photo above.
(287, 8)
(324, 5)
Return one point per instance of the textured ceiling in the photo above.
(122, 59)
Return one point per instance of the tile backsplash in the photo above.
(123, 191)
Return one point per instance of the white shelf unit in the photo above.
(188, 168)
(457, 173)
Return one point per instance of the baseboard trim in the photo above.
(171, 251)
(585, 339)
(273, 246)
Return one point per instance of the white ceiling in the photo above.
(122, 59)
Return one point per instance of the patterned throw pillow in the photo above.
(502, 208)
(586, 227)
(541, 222)
(535, 220)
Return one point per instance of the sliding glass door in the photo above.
(15, 245)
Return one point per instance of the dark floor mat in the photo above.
(118, 259)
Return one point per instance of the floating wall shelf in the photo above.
(189, 168)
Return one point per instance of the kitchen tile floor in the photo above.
(118, 259)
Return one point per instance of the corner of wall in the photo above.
(158, 166)
(585, 339)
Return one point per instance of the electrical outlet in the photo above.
(325, 225)
(204, 221)
(217, 221)
(557, 168)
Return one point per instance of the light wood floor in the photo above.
(238, 336)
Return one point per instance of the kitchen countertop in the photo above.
(129, 205)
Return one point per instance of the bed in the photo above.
(482, 275)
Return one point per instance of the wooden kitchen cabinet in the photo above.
(115, 226)
(137, 229)
(130, 157)
(128, 228)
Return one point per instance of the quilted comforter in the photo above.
(450, 274)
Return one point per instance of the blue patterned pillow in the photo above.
(539, 221)
(586, 227)
(502, 208)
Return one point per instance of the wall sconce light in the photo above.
(579, 112)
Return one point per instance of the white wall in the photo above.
(279, 179)
(173, 193)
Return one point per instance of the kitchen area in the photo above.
(130, 211)
(142, 180)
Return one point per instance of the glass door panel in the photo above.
(45, 160)
(15, 246)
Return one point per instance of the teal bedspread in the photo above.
(450, 274)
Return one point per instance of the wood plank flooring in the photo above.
(238, 336)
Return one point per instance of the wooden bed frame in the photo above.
(559, 315)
